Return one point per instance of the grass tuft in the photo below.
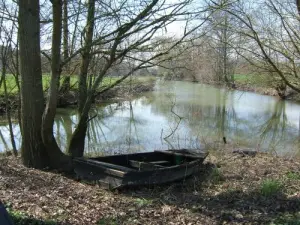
(143, 202)
(270, 187)
(216, 175)
(20, 218)
(107, 221)
(293, 175)
(288, 219)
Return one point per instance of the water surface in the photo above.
(183, 115)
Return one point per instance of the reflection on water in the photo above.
(209, 114)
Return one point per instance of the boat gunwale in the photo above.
(194, 161)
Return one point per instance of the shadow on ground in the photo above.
(224, 192)
(222, 205)
(29, 220)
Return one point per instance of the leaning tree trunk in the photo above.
(76, 147)
(57, 158)
(86, 56)
(33, 150)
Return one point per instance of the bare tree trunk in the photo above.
(66, 82)
(18, 86)
(16, 68)
(76, 147)
(33, 150)
(225, 50)
(56, 156)
(6, 148)
(8, 115)
(86, 56)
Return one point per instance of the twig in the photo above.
(180, 118)
(93, 117)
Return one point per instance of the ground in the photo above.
(254, 83)
(230, 189)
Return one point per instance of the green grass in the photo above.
(251, 79)
(293, 175)
(143, 202)
(270, 187)
(107, 221)
(216, 175)
(20, 218)
(107, 81)
(287, 219)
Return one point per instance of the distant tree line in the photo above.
(248, 37)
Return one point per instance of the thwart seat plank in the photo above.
(159, 162)
(144, 165)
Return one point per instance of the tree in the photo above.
(122, 32)
(222, 38)
(32, 102)
(66, 48)
(57, 158)
(270, 29)
(127, 38)
(7, 53)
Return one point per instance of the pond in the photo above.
(180, 114)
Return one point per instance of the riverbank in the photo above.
(120, 92)
(262, 85)
(290, 95)
(256, 84)
(231, 189)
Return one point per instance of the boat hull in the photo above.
(118, 171)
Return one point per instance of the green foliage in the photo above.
(270, 187)
(20, 218)
(143, 202)
(293, 175)
(107, 221)
(287, 219)
(216, 175)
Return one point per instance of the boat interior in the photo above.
(144, 161)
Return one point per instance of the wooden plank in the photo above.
(194, 156)
(105, 164)
(195, 152)
(159, 162)
(144, 165)
(91, 171)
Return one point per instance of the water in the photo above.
(183, 115)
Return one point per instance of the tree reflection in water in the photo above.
(209, 114)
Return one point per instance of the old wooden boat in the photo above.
(149, 168)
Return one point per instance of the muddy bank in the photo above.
(118, 93)
(259, 90)
(289, 95)
(230, 189)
